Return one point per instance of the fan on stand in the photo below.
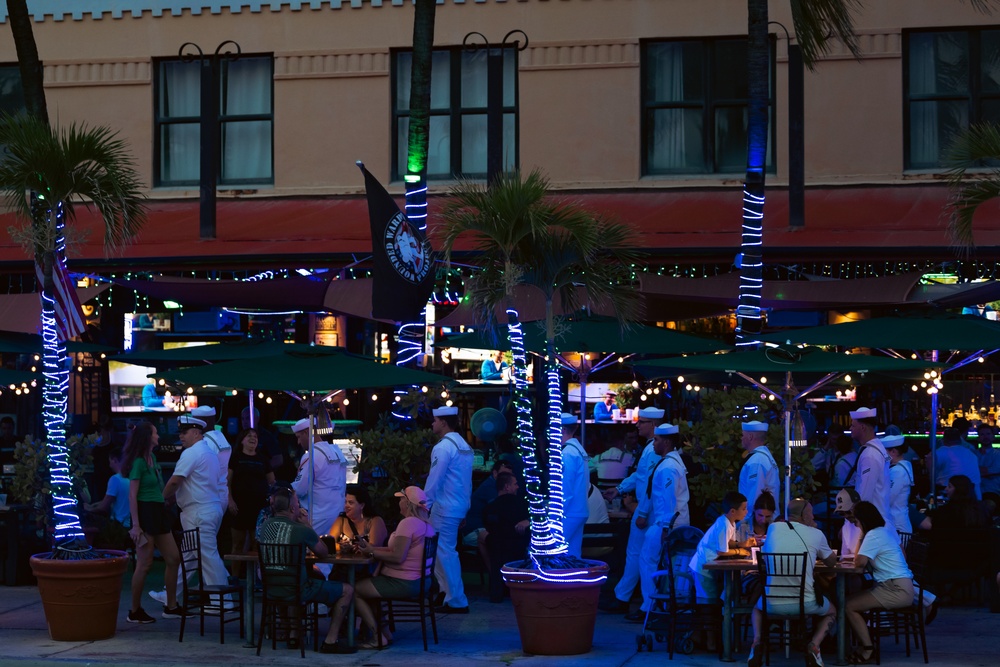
(487, 424)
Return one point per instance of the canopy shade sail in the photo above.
(195, 355)
(919, 331)
(601, 335)
(302, 372)
(22, 312)
(9, 377)
(784, 360)
(29, 343)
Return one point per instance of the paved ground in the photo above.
(488, 636)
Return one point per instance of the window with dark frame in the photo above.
(246, 122)
(11, 90)
(951, 81)
(458, 115)
(694, 107)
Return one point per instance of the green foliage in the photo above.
(628, 396)
(392, 458)
(716, 440)
(31, 472)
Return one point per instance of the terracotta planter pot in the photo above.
(556, 617)
(80, 597)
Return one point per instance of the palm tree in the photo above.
(525, 238)
(46, 174)
(974, 148)
(815, 22)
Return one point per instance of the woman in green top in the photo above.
(151, 524)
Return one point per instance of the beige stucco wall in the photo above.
(579, 83)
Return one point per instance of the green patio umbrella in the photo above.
(785, 361)
(924, 331)
(596, 335)
(194, 355)
(307, 371)
(23, 343)
(10, 377)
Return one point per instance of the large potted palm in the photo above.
(46, 174)
(526, 237)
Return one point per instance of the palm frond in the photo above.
(971, 149)
(817, 21)
(76, 165)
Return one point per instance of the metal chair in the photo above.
(205, 600)
(283, 576)
(414, 609)
(784, 577)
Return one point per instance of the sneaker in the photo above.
(756, 657)
(159, 596)
(813, 657)
(176, 612)
(139, 616)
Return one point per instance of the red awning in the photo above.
(892, 222)
(23, 312)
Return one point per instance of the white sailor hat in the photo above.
(203, 411)
(651, 413)
(755, 427)
(566, 419)
(665, 429)
(864, 413)
(446, 411)
(610, 393)
(891, 441)
(300, 425)
(186, 421)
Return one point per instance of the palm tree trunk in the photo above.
(55, 370)
(541, 534)
(751, 272)
(32, 75)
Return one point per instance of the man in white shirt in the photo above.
(449, 494)
(576, 485)
(760, 471)
(321, 482)
(613, 464)
(223, 450)
(667, 494)
(719, 540)
(195, 485)
(796, 535)
(636, 482)
(900, 483)
(872, 481)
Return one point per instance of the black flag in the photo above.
(403, 276)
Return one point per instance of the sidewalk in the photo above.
(487, 636)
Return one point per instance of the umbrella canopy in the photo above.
(302, 372)
(25, 343)
(916, 332)
(10, 377)
(194, 355)
(602, 335)
(784, 360)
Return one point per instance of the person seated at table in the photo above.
(755, 524)
(505, 520)
(290, 525)
(850, 533)
(603, 408)
(719, 540)
(794, 535)
(493, 367)
(893, 580)
(961, 512)
(401, 562)
(356, 521)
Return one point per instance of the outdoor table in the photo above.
(354, 561)
(731, 570)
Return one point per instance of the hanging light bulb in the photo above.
(770, 397)
(347, 402)
(635, 384)
(190, 390)
(162, 382)
(763, 380)
(688, 387)
(697, 389)
(981, 360)
(914, 387)
(656, 390)
(923, 384)
(424, 389)
(236, 392)
(79, 369)
(260, 394)
(680, 378)
(398, 399)
(374, 397)
(847, 378)
(448, 403)
(933, 374)
(927, 376)
(642, 397)
(268, 400)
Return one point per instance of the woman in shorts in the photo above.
(151, 523)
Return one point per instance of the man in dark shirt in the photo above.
(506, 523)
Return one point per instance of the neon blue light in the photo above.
(557, 514)
(410, 340)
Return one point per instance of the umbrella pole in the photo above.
(310, 412)
(583, 407)
(788, 398)
(253, 422)
(932, 434)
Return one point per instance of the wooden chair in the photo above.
(414, 609)
(784, 577)
(283, 577)
(205, 600)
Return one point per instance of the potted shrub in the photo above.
(393, 456)
(45, 175)
(526, 238)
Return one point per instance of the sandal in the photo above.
(372, 644)
(858, 656)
